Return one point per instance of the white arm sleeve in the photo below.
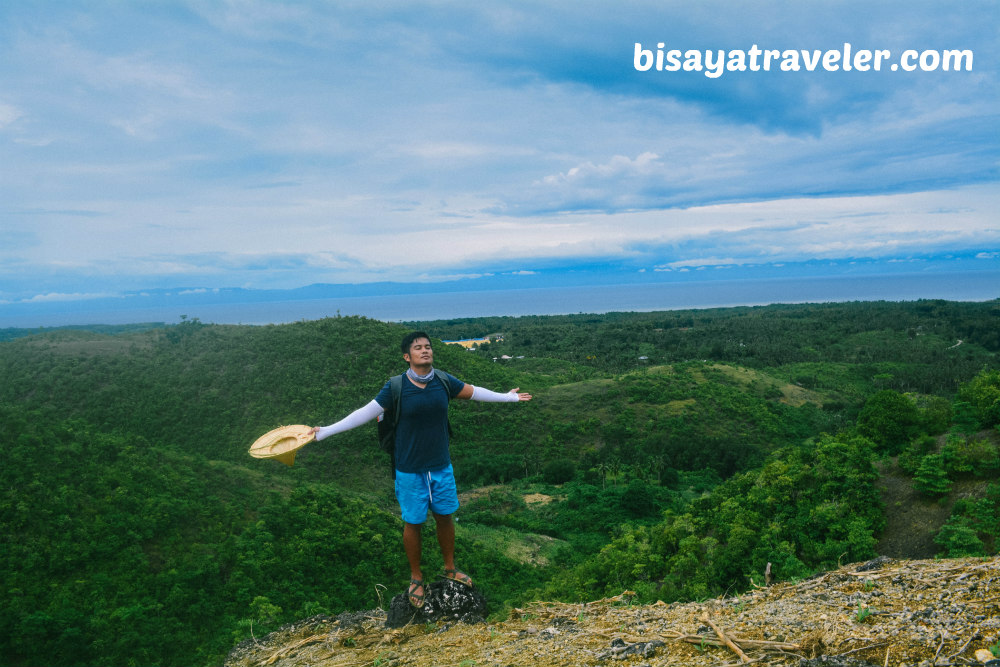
(487, 396)
(362, 415)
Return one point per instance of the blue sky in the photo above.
(273, 145)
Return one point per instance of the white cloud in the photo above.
(56, 296)
(618, 166)
(446, 150)
(8, 115)
(280, 145)
(701, 262)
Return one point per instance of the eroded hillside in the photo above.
(885, 612)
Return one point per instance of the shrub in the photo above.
(959, 540)
(559, 471)
(638, 499)
(910, 458)
(983, 394)
(974, 526)
(890, 420)
(970, 455)
(931, 478)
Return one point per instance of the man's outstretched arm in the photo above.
(472, 393)
(362, 415)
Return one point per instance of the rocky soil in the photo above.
(886, 612)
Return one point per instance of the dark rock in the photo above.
(834, 661)
(621, 650)
(876, 564)
(445, 600)
(354, 619)
(645, 649)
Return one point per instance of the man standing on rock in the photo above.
(424, 476)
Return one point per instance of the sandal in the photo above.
(459, 577)
(415, 599)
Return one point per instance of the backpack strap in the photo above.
(447, 391)
(396, 386)
(444, 380)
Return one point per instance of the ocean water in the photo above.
(624, 298)
(966, 286)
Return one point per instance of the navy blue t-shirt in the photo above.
(422, 431)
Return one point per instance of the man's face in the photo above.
(420, 354)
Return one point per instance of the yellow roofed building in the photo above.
(469, 343)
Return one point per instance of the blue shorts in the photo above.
(419, 491)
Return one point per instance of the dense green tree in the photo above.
(977, 455)
(931, 478)
(559, 471)
(890, 420)
(936, 414)
(973, 529)
(983, 393)
(911, 457)
(959, 541)
(803, 510)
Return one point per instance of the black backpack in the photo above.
(388, 419)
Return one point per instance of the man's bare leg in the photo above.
(412, 544)
(446, 540)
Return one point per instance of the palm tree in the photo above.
(602, 468)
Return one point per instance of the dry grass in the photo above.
(903, 613)
(791, 394)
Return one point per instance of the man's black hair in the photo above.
(409, 338)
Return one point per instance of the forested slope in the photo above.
(832, 345)
(140, 531)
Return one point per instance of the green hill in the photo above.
(141, 532)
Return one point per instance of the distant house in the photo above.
(468, 343)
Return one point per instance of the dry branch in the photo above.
(728, 642)
(293, 647)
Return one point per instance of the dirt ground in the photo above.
(913, 520)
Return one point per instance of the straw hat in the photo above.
(282, 443)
